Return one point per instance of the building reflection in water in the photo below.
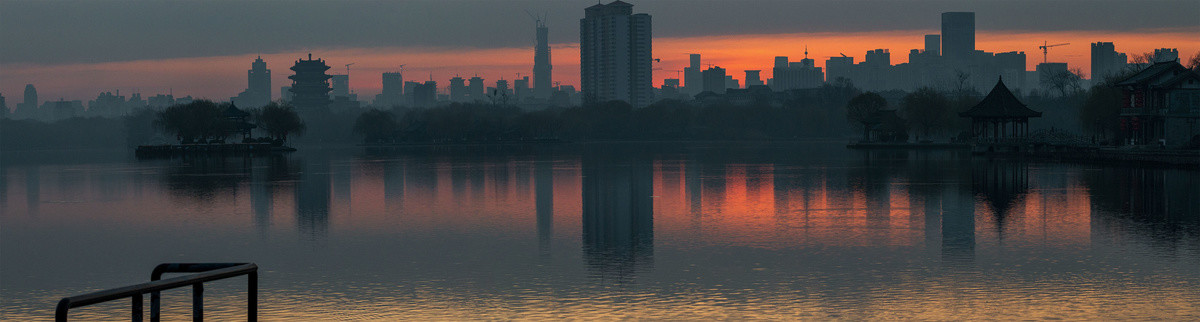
(543, 182)
(393, 185)
(312, 196)
(1161, 205)
(618, 219)
(1000, 183)
(33, 190)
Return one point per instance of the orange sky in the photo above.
(221, 77)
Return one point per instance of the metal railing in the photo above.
(206, 272)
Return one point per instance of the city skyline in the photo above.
(208, 77)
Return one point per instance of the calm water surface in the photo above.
(608, 231)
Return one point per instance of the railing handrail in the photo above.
(205, 273)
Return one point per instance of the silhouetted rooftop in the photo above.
(1000, 103)
(1150, 73)
(234, 111)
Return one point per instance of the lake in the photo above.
(663, 231)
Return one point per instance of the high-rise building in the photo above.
(502, 89)
(340, 85)
(258, 86)
(1106, 61)
(1166, 55)
(541, 63)
(958, 36)
(753, 78)
(692, 81)
(29, 104)
(933, 44)
(838, 67)
(615, 54)
(458, 89)
(521, 88)
(714, 80)
(392, 92)
(425, 94)
(285, 93)
(476, 91)
(310, 85)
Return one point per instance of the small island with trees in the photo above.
(206, 127)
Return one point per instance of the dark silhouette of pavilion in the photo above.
(1000, 116)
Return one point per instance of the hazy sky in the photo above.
(47, 36)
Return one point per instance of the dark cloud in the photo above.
(101, 31)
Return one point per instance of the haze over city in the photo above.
(201, 48)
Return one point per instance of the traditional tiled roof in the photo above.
(233, 111)
(1150, 73)
(1000, 103)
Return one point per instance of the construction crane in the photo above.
(348, 69)
(1046, 49)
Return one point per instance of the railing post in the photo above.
(137, 308)
(252, 296)
(198, 302)
(60, 312)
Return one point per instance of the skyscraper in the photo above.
(458, 89)
(29, 104)
(714, 80)
(258, 80)
(340, 85)
(541, 62)
(753, 78)
(310, 85)
(958, 35)
(476, 91)
(258, 86)
(1106, 61)
(614, 49)
(393, 90)
(692, 82)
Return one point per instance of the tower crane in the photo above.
(1045, 49)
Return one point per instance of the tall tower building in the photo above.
(541, 63)
(29, 104)
(392, 92)
(340, 85)
(458, 89)
(692, 81)
(258, 86)
(259, 83)
(958, 35)
(614, 49)
(1106, 61)
(753, 78)
(476, 91)
(310, 85)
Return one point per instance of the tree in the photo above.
(279, 121)
(926, 110)
(197, 121)
(862, 108)
(1101, 112)
(376, 126)
(1194, 62)
(1064, 81)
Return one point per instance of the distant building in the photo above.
(29, 105)
(258, 89)
(838, 67)
(542, 87)
(285, 93)
(796, 75)
(753, 78)
(340, 85)
(310, 85)
(615, 54)
(521, 88)
(458, 89)
(1166, 55)
(476, 91)
(425, 94)
(392, 93)
(714, 80)
(933, 44)
(958, 36)
(1106, 61)
(692, 81)
(1048, 71)
(159, 101)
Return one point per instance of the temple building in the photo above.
(238, 121)
(1161, 105)
(1000, 117)
(310, 85)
